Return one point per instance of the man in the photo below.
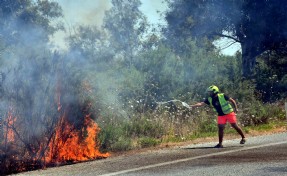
(220, 103)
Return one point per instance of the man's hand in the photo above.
(235, 110)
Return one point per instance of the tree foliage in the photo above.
(126, 26)
(271, 75)
(257, 25)
(27, 20)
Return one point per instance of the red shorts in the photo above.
(231, 118)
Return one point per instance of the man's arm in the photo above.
(197, 105)
(234, 104)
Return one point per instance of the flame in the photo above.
(65, 143)
(70, 145)
(10, 135)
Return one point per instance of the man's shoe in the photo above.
(243, 140)
(218, 146)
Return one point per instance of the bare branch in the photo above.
(227, 36)
(228, 45)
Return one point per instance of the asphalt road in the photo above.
(262, 155)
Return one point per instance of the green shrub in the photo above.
(143, 126)
(148, 142)
(259, 113)
(110, 137)
(122, 144)
(208, 126)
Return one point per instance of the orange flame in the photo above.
(9, 129)
(68, 144)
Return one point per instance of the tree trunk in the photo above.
(249, 53)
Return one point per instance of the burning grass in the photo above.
(62, 145)
(70, 144)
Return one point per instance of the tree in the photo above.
(258, 25)
(271, 76)
(126, 25)
(27, 20)
(92, 44)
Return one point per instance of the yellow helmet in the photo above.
(213, 89)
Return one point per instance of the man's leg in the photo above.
(239, 131)
(221, 121)
(221, 132)
(231, 118)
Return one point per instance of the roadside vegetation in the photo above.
(121, 76)
(149, 120)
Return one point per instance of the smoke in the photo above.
(37, 79)
(32, 75)
(96, 14)
(29, 90)
(88, 12)
(76, 13)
